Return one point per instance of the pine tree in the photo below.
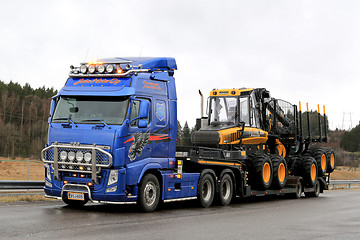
(186, 135)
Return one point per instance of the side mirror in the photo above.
(142, 123)
(52, 106)
(144, 109)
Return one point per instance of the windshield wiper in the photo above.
(69, 120)
(99, 120)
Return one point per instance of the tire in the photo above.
(261, 171)
(316, 193)
(298, 190)
(226, 189)
(149, 193)
(74, 203)
(330, 157)
(280, 171)
(206, 190)
(321, 160)
(306, 167)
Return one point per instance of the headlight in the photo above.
(63, 155)
(71, 156)
(79, 156)
(48, 174)
(101, 68)
(83, 69)
(92, 68)
(87, 157)
(109, 68)
(113, 177)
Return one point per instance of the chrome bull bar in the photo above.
(99, 158)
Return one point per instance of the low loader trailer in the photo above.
(113, 130)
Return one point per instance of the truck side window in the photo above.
(135, 112)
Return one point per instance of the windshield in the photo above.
(225, 110)
(90, 109)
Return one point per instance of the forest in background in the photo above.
(23, 119)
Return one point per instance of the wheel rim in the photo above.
(281, 172)
(206, 191)
(332, 160)
(298, 189)
(313, 172)
(266, 172)
(317, 188)
(150, 193)
(323, 162)
(226, 189)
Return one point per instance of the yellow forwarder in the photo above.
(263, 136)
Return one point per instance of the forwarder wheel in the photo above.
(280, 171)
(306, 167)
(206, 190)
(74, 203)
(226, 189)
(330, 157)
(149, 193)
(316, 192)
(320, 158)
(261, 171)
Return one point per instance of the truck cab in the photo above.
(113, 122)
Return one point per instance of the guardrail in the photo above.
(19, 184)
(344, 184)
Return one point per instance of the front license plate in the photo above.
(75, 196)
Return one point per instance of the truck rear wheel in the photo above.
(320, 157)
(330, 157)
(261, 171)
(280, 171)
(226, 189)
(149, 193)
(316, 192)
(206, 190)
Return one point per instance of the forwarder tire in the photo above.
(330, 157)
(316, 192)
(149, 193)
(261, 171)
(306, 167)
(321, 160)
(74, 203)
(206, 190)
(280, 171)
(226, 189)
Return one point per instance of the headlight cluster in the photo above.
(100, 68)
(79, 156)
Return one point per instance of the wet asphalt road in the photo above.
(334, 215)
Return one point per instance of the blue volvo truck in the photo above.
(112, 139)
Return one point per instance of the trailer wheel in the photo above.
(149, 193)
(261, 171)
(321, 160)
(206, 190)
(280, 171)
(226, 189)
(74, 203)
(298, 190)
(330, 156)
(316, 192)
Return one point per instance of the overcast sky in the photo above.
(305, 51)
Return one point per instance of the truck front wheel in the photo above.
(149, 193)
(206, 190)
